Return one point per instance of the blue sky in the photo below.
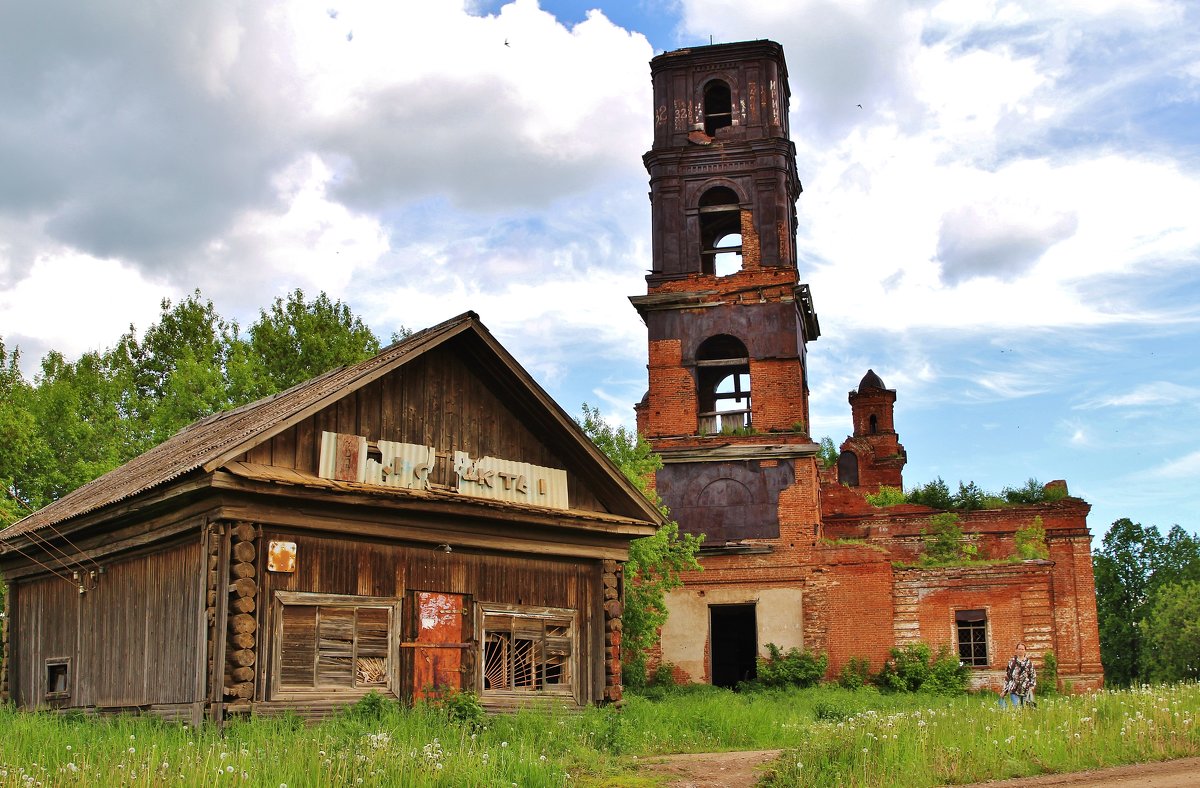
(1006, 230)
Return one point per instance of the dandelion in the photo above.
(503, 744)
(229, 770)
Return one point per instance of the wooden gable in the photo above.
(455, 398)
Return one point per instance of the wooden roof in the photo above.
(211, 442)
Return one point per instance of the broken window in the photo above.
(327, 641)
(723, 375)
(718, 107)
(972, 637)
(58, 678)
(528, 650)
(720, 232)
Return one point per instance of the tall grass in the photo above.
(831, 737)
(973, 739)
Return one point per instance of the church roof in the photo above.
(871, 381)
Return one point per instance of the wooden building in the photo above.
(793, 554)
(428, 518)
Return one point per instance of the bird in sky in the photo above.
(860, 106)
(506, 43)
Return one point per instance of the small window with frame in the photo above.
(327, 641)
(971, 629)
(528, 650)
(58, 678)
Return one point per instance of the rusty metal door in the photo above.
(439, 643)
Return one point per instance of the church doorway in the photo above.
(733, 632)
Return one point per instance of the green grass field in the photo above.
(831, 737)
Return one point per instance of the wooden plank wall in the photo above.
(367, 568)
(138, 644)
(435, 400)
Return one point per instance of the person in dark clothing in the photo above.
(1020, 679)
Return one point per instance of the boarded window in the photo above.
(528, 650)
(972, 637)
(329, 642)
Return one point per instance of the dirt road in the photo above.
(720, 769)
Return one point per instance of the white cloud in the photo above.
(1155, 394)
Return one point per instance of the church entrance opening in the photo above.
(733, 630)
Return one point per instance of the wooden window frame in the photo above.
(56, 662)
(281, 691)
(574, 685)
(980, 628)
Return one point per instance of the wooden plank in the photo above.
(307, 447)
(283, 449)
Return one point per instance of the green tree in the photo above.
(1122, 570)
(969, 497)
(655, 562)
(1171, 633)
(827, 453)
(298, 339)
(934, 494)
(944, 539)
(1030, 540)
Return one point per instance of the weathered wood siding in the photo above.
(374, 569)
(436, 400)
(133, 639)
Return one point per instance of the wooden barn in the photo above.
(428, 518)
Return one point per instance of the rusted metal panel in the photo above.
(438, 644)
(727, 501)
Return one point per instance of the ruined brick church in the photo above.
(793, 554)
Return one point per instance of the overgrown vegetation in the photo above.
(1031, 541)
(917, 668)
(887, 496)
(832, 736)
(970, 497)
(655, 562)
(791, 668)
(944, 540)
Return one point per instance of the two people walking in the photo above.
(1020, 679)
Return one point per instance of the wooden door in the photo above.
(439, 643)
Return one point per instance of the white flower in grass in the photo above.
(229, 770)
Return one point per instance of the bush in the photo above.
(934, 494)
(1031, 540)
(969, 497)
(906, 669)
(855, 674)
(947, 675)
(371, 707)
(464, 708)
(915, 668)
(795, 668)
(943, 540)
(1047, 683)
(887, 496)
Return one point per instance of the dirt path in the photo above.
(719, 769)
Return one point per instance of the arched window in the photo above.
(874, 424)
(718, 107)
(720, 232)
(723, 379)
(848, 468)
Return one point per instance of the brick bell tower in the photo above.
(726, 314)
(728, 320)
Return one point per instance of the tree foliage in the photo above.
(1030, 540)
(827, 453)
(78, 420)
(655, 562)
(1133, 567)
(944, 539)
(1171, 633)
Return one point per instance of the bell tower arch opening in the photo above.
(718, 106)
(723, 385)
(720, 232)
